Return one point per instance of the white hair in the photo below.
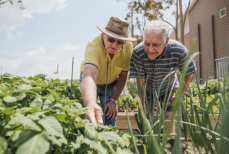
(158, 27)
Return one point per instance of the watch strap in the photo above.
(115, 101)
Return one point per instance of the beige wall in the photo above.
(201, 13)
(186, 33)
(186, 41)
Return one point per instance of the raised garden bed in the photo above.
(122, 122)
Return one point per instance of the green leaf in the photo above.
(99, 146)
(9, 133)
(22, 136)
(61, 117)
(124, 151)
(36, 102)
(16, 135)
(9, 99)
(25, 121)
(48, 104)
(3, 144)
(18, 95)
(38, 144)
(4, 87)
(112, 138)
(58, 141)
(37, 115)
(24, 87)
(34, 109)
(90, 132)
(52, 126)
(75, 145)
(36, 89)
(24, 101)
(25, 109)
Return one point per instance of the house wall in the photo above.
(201, 13)
(186, 40)
(186, 33)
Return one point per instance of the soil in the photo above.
(183, 146)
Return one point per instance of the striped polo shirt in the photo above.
(172, 57)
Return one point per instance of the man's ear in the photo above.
(167, 41)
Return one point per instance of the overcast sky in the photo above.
(50, 32)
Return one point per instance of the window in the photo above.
(222, 12)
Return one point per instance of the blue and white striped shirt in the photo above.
(172, 57)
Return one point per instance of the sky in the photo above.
(48, 33)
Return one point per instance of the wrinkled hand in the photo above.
(94, 114)
(171, 100)
(112, 110)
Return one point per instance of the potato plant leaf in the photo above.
(25, 109)
(124, 151)
(36, 89)
(90, 132)
(36, 102)
(57, 141)
(61, 117)
(22, 136)
(48, 103)
(38, 144)
(52, 126)
(24, 87)
(9, 99)
(30, 123)
(112, 138)
(3, 144)
(4, 87)
(18, 95)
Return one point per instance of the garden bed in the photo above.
(122, 122)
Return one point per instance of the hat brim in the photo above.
(115, 35)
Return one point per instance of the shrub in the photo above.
(127, 100)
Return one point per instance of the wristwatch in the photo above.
(115, 101)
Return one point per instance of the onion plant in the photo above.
(198, 129)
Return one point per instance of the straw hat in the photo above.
(117, 28)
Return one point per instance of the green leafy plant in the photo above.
(132, 87)
(38, 115)
(127, 100)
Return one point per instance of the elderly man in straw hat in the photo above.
(105, 69)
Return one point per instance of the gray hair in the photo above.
(158, 27)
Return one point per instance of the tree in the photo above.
(12, 2)
(140, 11)
(153, 10)
(182, 19)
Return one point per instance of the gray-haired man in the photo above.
(155, 58)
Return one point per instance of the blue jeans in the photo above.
(101, 93)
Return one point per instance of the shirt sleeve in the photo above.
(136, 67)
(91, 56)
(129, 52)
(191, 67)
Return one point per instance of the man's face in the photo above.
(111, 46)
(154, 44)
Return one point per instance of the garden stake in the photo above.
(105, 94)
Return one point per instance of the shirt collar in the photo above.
(165, 52)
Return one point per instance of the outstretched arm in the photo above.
(89, 94)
